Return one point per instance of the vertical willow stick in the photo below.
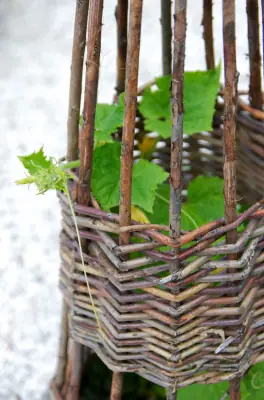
(121, 19)
(255, 95)
(117, 386)
(73, 392)
(63, 346)
(177, 128)
(177, 117)
(90, 98)
(132, 66)
(79, 39)
(86, 143)
(230, 98)
(262, 9)
(208, 36)
(166, 33)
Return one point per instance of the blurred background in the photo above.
(35, 54)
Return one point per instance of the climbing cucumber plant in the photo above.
(150, 191)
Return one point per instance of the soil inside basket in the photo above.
(96, 384)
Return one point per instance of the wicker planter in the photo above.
(180, 316)
(167, 329)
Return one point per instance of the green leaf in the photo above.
(156, 104)
(163, 128)
(146, 178)
(252, 385)
(108, 118)
(203, 392)
(106, 175)
(204, 203)
(34, 161)
(106, 178)
(200, 90)
(160, 214)
(45, 173)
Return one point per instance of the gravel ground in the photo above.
(35, 50)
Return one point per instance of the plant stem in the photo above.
(70, 165)
(82, 259)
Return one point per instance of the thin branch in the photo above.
(121, 19)
(177, 136)
(255, 95)
(90, 98)
(230, 98)
(63, 346)
(117, 385)
(208, 36)
(262, 9)
(177, 118)
(131, 86)
(130, 115)
(73, 391)
(79, 37)
(166, 33)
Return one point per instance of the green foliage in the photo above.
(203, 392)
(252, 385)
(34, 161)
(160, 214)
(108, 118)
(44, 172)
(200, 90)
(145, 180)
(106, 178)
(106, 175)
(204, 203)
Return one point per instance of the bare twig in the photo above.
(63, 346)
(132, 66)
(129, 115)
(207, 23)
(255, 95)
(166, 36)
(90, 98)
(121, 19)
(79, 41)
(230, 98)
(177, 135)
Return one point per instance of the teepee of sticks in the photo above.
(203, 320)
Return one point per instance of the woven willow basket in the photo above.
(202, 321)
